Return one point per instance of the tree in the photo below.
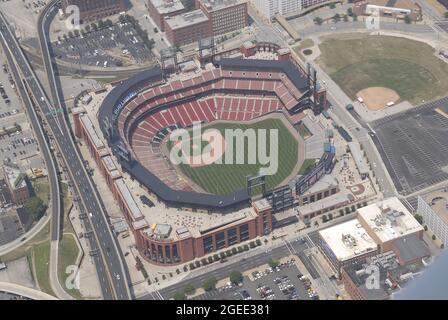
(101, 24)
(189, 289)
(77, 33)
(345, 18)
(210, 284)
(192, 266)
(332, 5)
(433, 237)
(156, 30)
(355, 17)
(336, 17)
(236, 277)
(407, 19)
(210, 259)
(109, 23)
(350, 12)
(419, 218)
(446, 15)
(87, 28)
(258, 242)
(94, 26)
(426, 228)
(35, 207)
(70, 34)
(179, 296)
(215, 257)
(177, 271)
(318, 21)
(273, 263)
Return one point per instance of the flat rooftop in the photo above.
(215, 5)
(358, 156)
(402, 4)
(15, 177)
(327, 181)
(325, 203)
(132, 205)
(389, 219)
(348, 240)
(167, 6)
(91, 131)
(186, 19)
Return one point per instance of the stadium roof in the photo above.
(287, 67)
(111, 100)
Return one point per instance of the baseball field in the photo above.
(405, 69)
(222, 178)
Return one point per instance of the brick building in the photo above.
(159, 10)
(187, 27)
(96, 9)
(16, 182)
(225, 15)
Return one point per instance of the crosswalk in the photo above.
(441, 25)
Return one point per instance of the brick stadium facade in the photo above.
(96, 9)
(133, 118)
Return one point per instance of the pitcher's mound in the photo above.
(377, 98)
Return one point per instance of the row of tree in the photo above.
(236, 278)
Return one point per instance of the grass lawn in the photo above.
(409, 67)
(41, 255)
(41, 187)
(68, 252)
(225, 178)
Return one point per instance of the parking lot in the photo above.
(282, 283)
(115, 46)
(413, 146)
(18, 143)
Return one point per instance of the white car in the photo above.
(118, 277)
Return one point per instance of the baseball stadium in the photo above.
(208, 205)
(139, 116)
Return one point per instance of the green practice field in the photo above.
(409, 67)
(225, 178)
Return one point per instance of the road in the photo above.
(55, 194)
(111, 273)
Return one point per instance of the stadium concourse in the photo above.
(139, 113)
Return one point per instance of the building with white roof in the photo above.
(346, 243)
(387, 221)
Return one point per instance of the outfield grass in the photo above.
(409, 67)
(68, 253)
(226, 178)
